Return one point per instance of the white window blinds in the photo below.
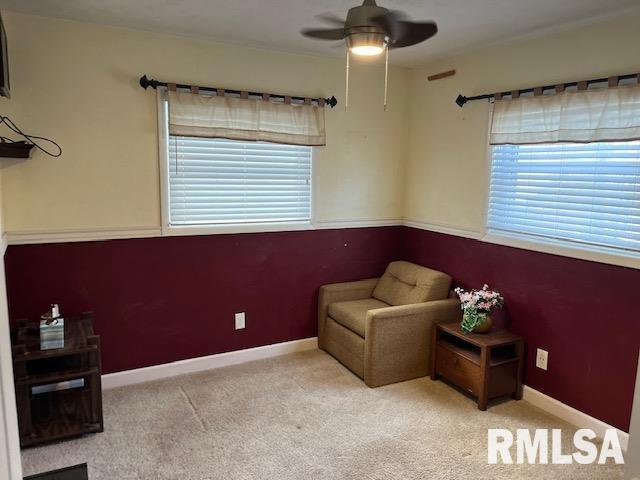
(217, 181)
(581, 194)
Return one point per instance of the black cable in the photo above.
(13, 127)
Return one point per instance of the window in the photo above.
(584, 195)
(216, 182)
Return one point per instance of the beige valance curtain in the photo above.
(245, 119)
(607, 114)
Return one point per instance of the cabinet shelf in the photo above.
(498, 356)
(56, 377)
(58, 430)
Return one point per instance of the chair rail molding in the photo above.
(357, 223)
(97, 234)
(440, 228)
(79, 235)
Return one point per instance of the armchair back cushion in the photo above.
(404, 283)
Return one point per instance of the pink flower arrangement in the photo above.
(476, 305)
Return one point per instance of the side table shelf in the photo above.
(58, 391)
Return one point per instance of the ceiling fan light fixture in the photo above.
(370, 30)
(367, 50)
(367, 44)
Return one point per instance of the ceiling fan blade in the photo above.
(399, 15)
(332, 19)
(324, 33)
(412, 33)
(390, 22)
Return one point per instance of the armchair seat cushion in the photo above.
(353, 314)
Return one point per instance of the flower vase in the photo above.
(482, 327)
(485, 326)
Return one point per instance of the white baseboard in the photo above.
(192, 365)
(571, 415)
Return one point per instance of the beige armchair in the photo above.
(381, 328)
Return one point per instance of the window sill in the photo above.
(173, 230)
(593, 254)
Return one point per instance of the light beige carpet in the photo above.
(300, 416)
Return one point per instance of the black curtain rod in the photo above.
(461, 100)
(146, 83)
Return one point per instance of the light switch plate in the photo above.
(542, 359)
(240, 321)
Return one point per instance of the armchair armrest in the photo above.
(398, 339)
(341, 292)
(426, 309)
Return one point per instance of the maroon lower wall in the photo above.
(157, 300)
(583, 313)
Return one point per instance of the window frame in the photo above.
(550, 246)
(179, 230)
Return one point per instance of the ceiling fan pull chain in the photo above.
(386, 78)
(346, 96)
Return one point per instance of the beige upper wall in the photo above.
(424, 159)
(447, 171)
(77, 83)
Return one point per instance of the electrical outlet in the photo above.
(542, 359)
(240, 321)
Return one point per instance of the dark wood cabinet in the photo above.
(486, 365)
(58, 391)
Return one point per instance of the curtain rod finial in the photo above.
(461, 100)
(333, 101)
(145, 82)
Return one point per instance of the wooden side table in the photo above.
(487, 365)
(58, 391)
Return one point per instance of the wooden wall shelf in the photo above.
(15, 149)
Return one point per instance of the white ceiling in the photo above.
(275, 24)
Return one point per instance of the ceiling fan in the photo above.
(371, 30)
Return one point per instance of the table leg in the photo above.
(434, 342)
(485, 357)
(517, 395)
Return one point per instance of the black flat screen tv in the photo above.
(4, 62)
